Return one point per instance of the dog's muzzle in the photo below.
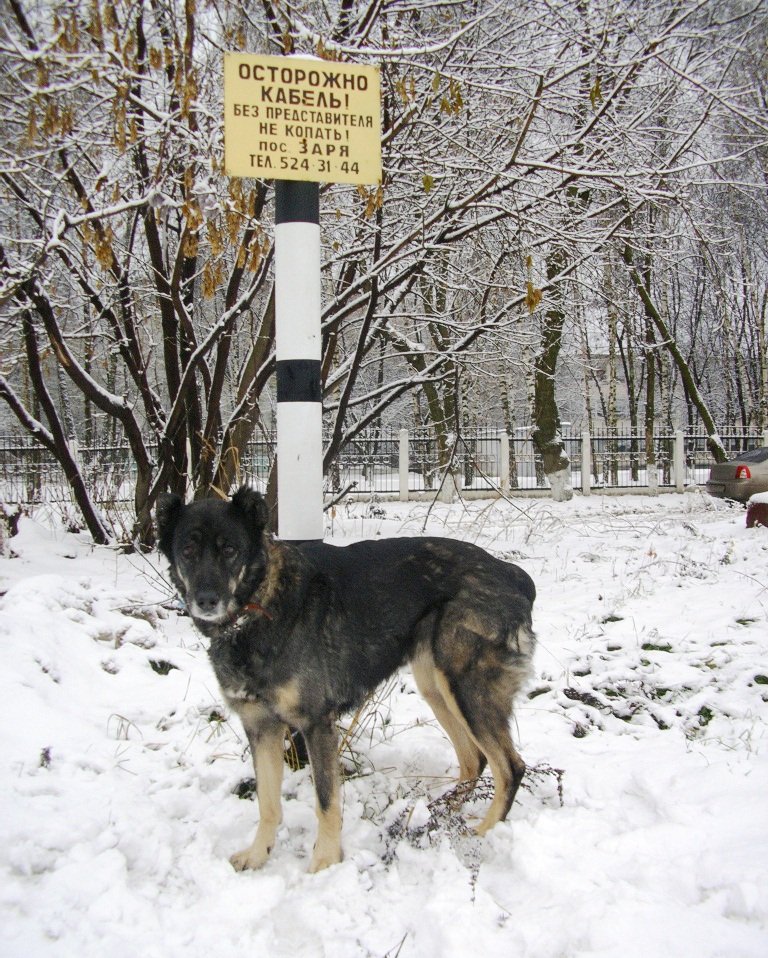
(207, 606)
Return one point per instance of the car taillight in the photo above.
(742, 472)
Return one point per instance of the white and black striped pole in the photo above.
(318, 121)
(298, 352)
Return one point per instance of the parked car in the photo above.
(740, 477)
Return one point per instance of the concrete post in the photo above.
(297, 348)
(678, 455)
(403, 463)
(586, 463)
(504, 462)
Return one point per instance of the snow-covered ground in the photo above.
(642, 829)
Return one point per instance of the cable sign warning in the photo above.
(287, 118)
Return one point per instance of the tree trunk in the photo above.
(547, 437)
(56, 440)
(650, 410)
(714, 443)
(762, 340)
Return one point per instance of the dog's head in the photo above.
(216, 552)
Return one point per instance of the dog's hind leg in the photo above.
(484, 711)
(323, 745)
(508, 770)
(267, 745)
(471, 759)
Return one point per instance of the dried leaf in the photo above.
(374, 201)
(190, 245)
(31, 135)
(595, 94)
(457, 100)
(215, 239)
(95, 27)
(255, 260)
(110, 17)
(233, 227)
(209, 284)
(103, 248)
(533, 296)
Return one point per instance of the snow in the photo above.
(641, 830)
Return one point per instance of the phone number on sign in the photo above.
(296, 164)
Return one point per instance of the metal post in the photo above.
(298, 353)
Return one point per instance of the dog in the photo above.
(301, 633)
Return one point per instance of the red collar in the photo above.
(256, 607)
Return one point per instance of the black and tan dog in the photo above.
(301, 633)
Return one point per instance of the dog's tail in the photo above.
(521, 639)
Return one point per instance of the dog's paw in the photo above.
(252, 857)
(324, 859)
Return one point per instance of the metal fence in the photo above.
(396, 462)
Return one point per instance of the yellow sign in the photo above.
(287, 118)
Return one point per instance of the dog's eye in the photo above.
(229, 552)
(189, 551)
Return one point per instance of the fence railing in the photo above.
(487, 461)
(402, 463)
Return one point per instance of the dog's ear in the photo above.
(169, 508)
(252, 505)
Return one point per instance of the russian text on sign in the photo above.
(282, 106)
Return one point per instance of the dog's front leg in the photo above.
(323, 744)
(267, 743)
